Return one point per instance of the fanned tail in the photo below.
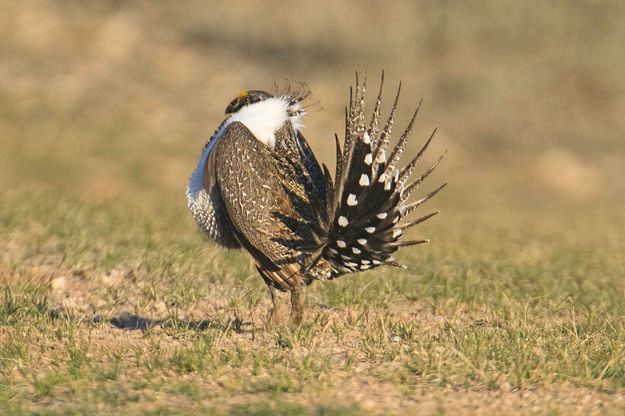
(370, 198)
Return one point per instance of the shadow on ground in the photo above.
(133, 322)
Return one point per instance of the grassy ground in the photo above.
(111, 301)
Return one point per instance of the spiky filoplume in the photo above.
(259, 186)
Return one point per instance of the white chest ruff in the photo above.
(265, 117)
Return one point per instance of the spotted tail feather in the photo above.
(370, 199)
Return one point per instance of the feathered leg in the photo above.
(279, 307)
(298, 297)
(293, 286)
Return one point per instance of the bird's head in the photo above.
(245, 98)
(264, 114)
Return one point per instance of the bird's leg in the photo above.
(279, 300)
(298, 296)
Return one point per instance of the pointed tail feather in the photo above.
(369, 198)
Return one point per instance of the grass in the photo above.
(506, 319)
(111, 301)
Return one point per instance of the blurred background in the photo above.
(110, 102)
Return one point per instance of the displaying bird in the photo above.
(258, 186)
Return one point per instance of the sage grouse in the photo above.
(258, 186)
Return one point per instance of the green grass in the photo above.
(504, 318)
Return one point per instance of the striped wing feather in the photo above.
(266, 211)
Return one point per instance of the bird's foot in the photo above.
(280, 304)
(279, 307)
(297, 306)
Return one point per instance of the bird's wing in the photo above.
(268, 212)
(215, 223)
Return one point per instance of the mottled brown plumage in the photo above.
(259, 186)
